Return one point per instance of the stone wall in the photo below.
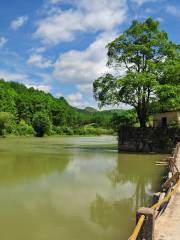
(148, 139)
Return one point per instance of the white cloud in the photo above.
(76, 99)
(174, 10)
(54, 1)
(141, 2)
(3, 41)
(39, 61)
(85, 88)
(45, 88)
(160, 19)
(38, 50)
(58, 95)
(19, 22)
(62, 26)
(22, 78)
(83, 67)
(12, 76)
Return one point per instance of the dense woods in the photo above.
(27, 111)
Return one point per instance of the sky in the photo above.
(58, 46)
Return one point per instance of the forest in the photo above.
(27, 111)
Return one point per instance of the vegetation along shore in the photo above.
(27, 111)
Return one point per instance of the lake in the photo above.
(72, 188)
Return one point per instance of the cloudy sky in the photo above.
(59, 45)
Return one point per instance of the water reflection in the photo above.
(140, 171)
(60, 188)
(135, 172)
(24, 167)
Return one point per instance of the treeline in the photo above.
(27, 111)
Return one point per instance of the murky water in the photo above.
(72, 188)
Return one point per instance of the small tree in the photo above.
(6, 120)
(140, 57)
(41, 124)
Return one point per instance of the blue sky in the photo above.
(59, 45)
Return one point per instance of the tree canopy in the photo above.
(145, 66)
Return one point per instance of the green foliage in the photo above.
(125, 118)
(41, 124)
(7, 98)
(67, 130)
(91, 130)
(24, 104)
(6, 120)
(173, 124)
(149, 66)
(23, 129)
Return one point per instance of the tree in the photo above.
(41, 124)
(169, 90)
(139, 58)
(123, 119)
(7, 98)
(6, 120)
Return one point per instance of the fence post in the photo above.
(147, 230)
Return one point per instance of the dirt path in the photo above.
(167, 226)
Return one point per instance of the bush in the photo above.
(91, 130)
(6, 121)
(23, 129)
(173, 124)
(67, 131)
(41, 124)
(57, 130)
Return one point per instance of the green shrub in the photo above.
(23, 129)
(91, 130)
(57, 130)
(62, 130)
(6, 122)
(173, 124)
(67, 131)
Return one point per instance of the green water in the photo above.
(72, 188)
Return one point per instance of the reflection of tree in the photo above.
(107, 213)
(116, 216)
(142, 174)
(26, 166)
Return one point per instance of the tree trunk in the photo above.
(142, 116)
(142, 122)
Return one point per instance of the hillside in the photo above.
(23, 103)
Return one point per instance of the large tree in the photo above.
(41, 124)
(140, 58)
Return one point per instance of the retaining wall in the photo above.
(148, 139)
